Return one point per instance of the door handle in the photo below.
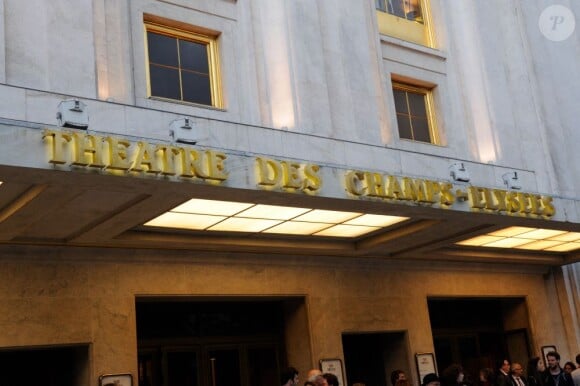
(212, 364)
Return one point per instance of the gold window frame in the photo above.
(429, 108)
(151, 24)
(412, 31)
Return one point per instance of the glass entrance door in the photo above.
(182, 368)
(211, 365)
(184, 342)
(224, 367)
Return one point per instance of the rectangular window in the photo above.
(405, 19)
(415, 118)
(406, 9)
(182, 65)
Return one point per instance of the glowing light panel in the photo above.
(297, 228)
(185, 221)
(346, 231)
(273, 212)
(534, 239)
(217, 208)
(229, 216)
(237, 224)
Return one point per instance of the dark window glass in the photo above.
(263, 366)
(412, 117)
(420, 129)
(401, 101)
(417, 104)
(227, 367)
(193, 56)
(182, 368)
(196, 88)
(53, 366)
(395, 7)
(404, 126)
(162, 49)
(406, 9)
(179, 69)
(380, 5)
(164, 82)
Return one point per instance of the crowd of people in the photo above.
(506, 374)
(512, 374)
(314, 377)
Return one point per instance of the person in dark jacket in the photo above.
(517, 375)
(503, 373)
(554, 374)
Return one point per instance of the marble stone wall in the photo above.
(54, 296)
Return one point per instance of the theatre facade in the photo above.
(201, 193)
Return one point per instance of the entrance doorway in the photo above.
(210, 342)
(234, 365)
(479, 332)
(369, 358)
(47, 366)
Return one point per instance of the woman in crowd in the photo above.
(569, 367)
(535, 369)
(453, 376)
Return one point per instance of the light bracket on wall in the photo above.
(73, 113)
(181, 130)
(458, 172)
(512, 181)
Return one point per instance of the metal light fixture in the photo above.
(73, 113)
(181, 130)
(458, 172)
(512, 181)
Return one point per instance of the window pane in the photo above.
(421, 129)
(227, 367)
(400, 101)
(164, 82)
(162, 49)
(395, 7)
(196, 88)
(380, 5)
(263, 366)
(404, 126)
(182, 368)
(193, 56)
(417, 104)
(413, 10)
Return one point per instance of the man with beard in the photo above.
(554, 374)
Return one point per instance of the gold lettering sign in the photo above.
(287, 176)
(116, 154)
(443, 194)
(121, 156)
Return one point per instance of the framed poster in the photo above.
(116, 380)
(545, 351)
(425, 364)
(333, 366)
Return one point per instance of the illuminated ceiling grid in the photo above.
(535, 239)
(212, 215)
